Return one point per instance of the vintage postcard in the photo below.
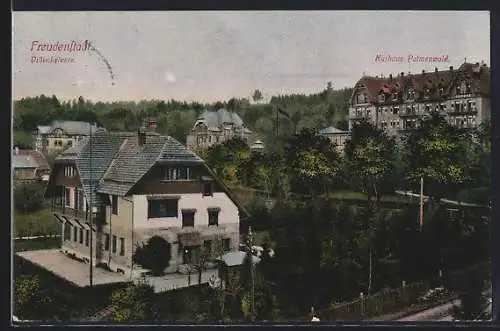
(239, 167)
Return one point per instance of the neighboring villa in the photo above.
(144, 185)
(61, 135)
(336, 136)
(257, 146)
(29, 166)
(397, 103)
(216, 126)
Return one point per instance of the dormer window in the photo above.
(381, 97)
(360, 98)
(467, 88)
(441, 91)
(180, 173)
(69, 171)
(395, 96)
(411, 94)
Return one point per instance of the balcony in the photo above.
(359, 116)
(58, 207)
(462, 111)
(71, 212)
(409, 114)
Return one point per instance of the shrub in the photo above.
(154, 255)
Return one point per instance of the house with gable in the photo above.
(60, 135)
(117, 190)
(216, 126)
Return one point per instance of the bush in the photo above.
(134, 303)
(154, 255)
(39, 223)
(28, 198)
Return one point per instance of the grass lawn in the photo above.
(35, 224)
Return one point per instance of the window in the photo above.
(81, 236)
(226, 244)
(69, 171)
(122, 246)
(87, 237)
(207, 189)
(114, 205)
(67, 231)
(381, 97)
(213, 216)
(190, 254)
(70, 143)
(106, 242)
(188, 218)
(113, 245)
(411, 94)
(67, 196)
(181, 173)
(163, 208)
(395, 96)
(75, 234)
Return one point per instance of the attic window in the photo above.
(180, 173)
(69, 171)
(381, 97)
(411, 94)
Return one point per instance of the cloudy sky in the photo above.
(208, 56)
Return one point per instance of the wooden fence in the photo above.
(394, 300)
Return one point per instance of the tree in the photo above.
(154, 255)
(30, 301)
(257, 96)
(135, 303)
(369, 165)
(471, 297)
(28, 198)
(436, 152)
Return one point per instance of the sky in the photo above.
(214, 56)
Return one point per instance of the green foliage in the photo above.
(28, 198)
(39, 223)
(23, 140)
(135, 303)
(30, 302)
(436, 151)
(472, 300)
(154, 255)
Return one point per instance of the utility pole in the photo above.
(250, 244)
(421, 202)
(91, 221)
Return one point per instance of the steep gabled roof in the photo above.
(433, 80)
(118, 162)
(75, 127)
(38, 157)
(133, 161)
(23, 162)
(215, 118)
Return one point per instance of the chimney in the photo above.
(390, 77)
(423, 72)
(402, 74)
(451, 68)
(141, 137)
(436, 70)
(152, 125)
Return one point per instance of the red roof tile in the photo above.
(38, 157)
(434, 80)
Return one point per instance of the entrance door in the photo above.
(191, 255)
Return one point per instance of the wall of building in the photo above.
(228, 210)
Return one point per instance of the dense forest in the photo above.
(175, 118)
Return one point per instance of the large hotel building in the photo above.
(397, 103)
